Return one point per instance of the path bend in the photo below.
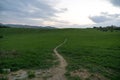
(60, 70)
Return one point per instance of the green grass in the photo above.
(99, 52)
(96, 51)
(27, 48)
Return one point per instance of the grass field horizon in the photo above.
(59, 39)
(94, 51)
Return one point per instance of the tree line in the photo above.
(107, 28)
(3, 26)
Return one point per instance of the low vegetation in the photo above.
(95, 51)
(91, 51)
(27, 48)
(1, 36)
(31, 74)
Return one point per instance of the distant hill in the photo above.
(25, 26)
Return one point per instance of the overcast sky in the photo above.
(61, 13)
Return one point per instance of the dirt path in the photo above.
(59, 71)
(63, 62)
(54, 73)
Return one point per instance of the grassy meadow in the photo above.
(27, 48)
(90, 49)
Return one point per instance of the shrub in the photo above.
(3, 77)
(31, 74)
(1, 36)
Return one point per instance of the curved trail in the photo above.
(63, 62)
(54, 73)
(60, 70)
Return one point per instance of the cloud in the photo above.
(108, 23)
(104, 17)
(115, 2)
(64, 9)
(99, 19)
(28, 11)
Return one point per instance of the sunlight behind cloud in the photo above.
(80, 10)
(56, 12)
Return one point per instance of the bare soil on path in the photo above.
(60, 70)
(54, 73)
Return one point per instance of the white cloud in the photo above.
(60, 13)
